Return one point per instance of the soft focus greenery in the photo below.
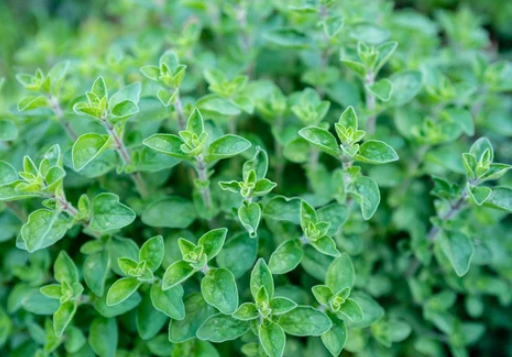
(274, 178)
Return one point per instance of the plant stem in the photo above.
(370, 103)
(203, 176)
(55, 105)
(125, 157)
(435, 230)
(178, 106)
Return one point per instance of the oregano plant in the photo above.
(255, 178)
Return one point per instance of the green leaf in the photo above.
(249, 215)
(351, 310)
(305, 321)
(149, 320)
(326, 245)
(75, 340)
(221, 328)
(30, 103)
(121, 248)
(367, 195)
(125, 109)
(462, 117)
(63, 317)
(176, 273)
(479, 194)
(334, 339)
(213, 241)
(109, 214)
(501, 198)
(283, 209)
(215, 105)
(261, 276)
(152, 72)
(8, 130)
(99, 87)
(95, 270)
(158, 213)
(38, 304)
(238, 254)
(170, 302)
(459, 250)
(219, 290)
(168, 144)
(272, 338)
(376, 152)
(103, 337)
(322, 139)
(100, 304)
(130, 92)
(152, 252)
(195, 123)
(406, 85)
(322, 293)
(44, 228)
(281, 305)
(382, 89)
(8, 174)
(385, 51)
(247, 311)
(87, 148)
(52, 291)
(340, 274)
(65, 269)
(121, 290)
(286, 257)
(197, 311)
(333, 25)
(226, 146)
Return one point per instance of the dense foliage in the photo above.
(255, 178)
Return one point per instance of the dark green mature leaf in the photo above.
(221, 328)
(286, 257)
(376, 152)
(272, 338)
(283, 209)
(305, 321)
(197, 311)
(226, 146)
(103, 337)
(334, 339)
(109, 214)
(168, 144)
(152, 252)
(321, 139)
(501, 198)
(340, 273)
(170, 302)
(149, 320)
(238, 254)
(44, 228)
(459, 249)
(171, 212)
(95, 269)
(367, 194)
(176, 273)
(87, 148)
(219, 290)
(213, 241)
(121, 290)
